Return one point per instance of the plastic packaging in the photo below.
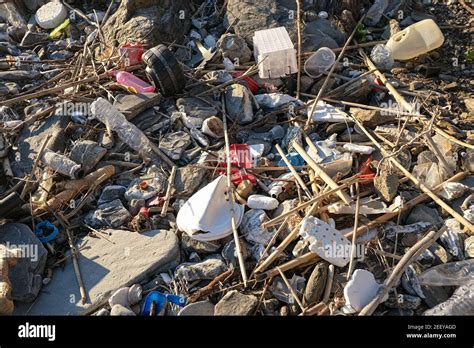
(360, 289)
(452, 273)
(274, 53)
(382, 57)
(131, 53)
(133, 83)
(56, 33)
(366, 150)
(325, 241)
(461, 303)
(126, 131)
(155, 303)
(319, 62)
(61, 164)
(262, 202)
(415, 40)
(206, 216)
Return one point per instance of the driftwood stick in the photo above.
(406, 260)
(230, 197)
(166, 203)
(298, 29)
(354, 234)
(209, 287)
(293, 292)
(327, 290)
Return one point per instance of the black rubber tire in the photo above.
(164, 71)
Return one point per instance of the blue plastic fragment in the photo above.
(159, 299)
(294, 158)
(46, 226)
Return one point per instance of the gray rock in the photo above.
(422, 213)
(110, 193)
(371, 118)
(239, 104)
(198, 308)
(188, 179)
(327, 28)
(403, 301)
(87, 153)
(103, 312)
(189, 244)
(316, 284)
(236, 303)
(251, 227)
(120, 297)
(133, 104)
(197, 107)
(119, 310)
(26, 276)
(106, 267)
(111, 214)
(135, 294)
(234, 47)
(33, 38)
(469, 246)
(149, 21)
(31, 139)
(229, 252)
(210, 268)
(386, 185)
(174, 144)
(33, 5)
(19, 75)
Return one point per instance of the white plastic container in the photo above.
(274, 52)
(319, 62)
(415, 40)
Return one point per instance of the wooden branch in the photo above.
(293, 171)
(166, 203)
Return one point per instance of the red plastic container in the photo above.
(251, 84)
(131, 53)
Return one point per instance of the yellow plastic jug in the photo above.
(415, 40)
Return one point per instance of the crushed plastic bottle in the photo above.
(448, 274)
(61, 164)
(382, 57)
(461, 303)
(115, 121)
(374, 14)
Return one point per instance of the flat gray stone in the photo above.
(26, 276)
(198, 308)
(133, 104)
(106, 267)
(31, 139)
(236, 303)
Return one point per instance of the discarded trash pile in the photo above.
(236, 158)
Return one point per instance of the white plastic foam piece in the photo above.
(206, 216)
(274, 53)
(366, 150)
(325, 112)
(326, 241)
(50, 15)
(360, 289)
(262, 202)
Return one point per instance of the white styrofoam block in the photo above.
(324, 240)
(360, 289)
(274, 53)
